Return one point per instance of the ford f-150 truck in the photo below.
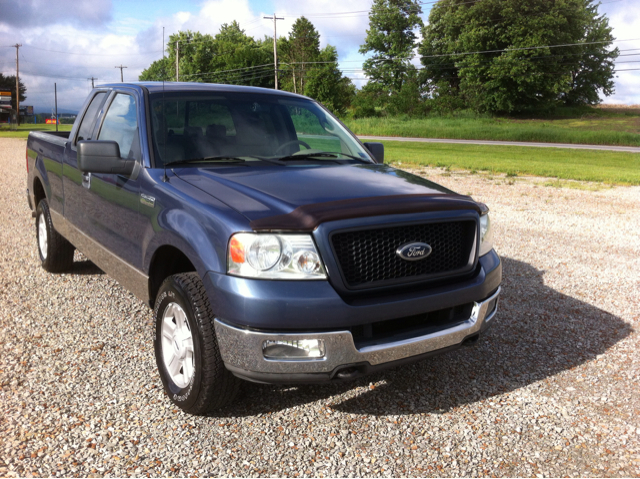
(272, 245)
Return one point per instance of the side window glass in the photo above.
(121, 125)
(86, 127)
(310, 130)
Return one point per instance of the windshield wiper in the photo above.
(322, 154)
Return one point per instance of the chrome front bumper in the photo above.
(242, 350)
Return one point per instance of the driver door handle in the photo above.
(86, 180)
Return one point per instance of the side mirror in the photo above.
(377, 150)
(96, 156)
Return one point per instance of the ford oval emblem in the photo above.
(414, 251)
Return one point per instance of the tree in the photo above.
(300, 49)
(160, 70)
(391, 37)
(229, 57)
(486, 56)
(8, 83)
(240, 59)
(326, 84)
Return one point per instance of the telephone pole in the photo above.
(93, 78)
(275, 46)
(121, 77)
(177, 60)
(17, 45)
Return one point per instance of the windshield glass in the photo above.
(200, 125)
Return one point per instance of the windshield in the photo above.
(199, 125)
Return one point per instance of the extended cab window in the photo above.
(121, 125)
(89, 119)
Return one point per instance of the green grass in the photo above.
(601, 166)
(23, 130)
(599, 127)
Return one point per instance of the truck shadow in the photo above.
(537, 333)
(85, 267)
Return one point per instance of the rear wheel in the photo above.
(56, 253)
(187, 353)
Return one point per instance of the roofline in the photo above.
(156, 86)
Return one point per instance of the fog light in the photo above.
(295, 349)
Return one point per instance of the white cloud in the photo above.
(624, 17)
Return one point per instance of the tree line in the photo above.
(232, 56)
(489, 56)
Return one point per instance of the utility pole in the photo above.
(121, 77)
(17, 45)
(163, 42)
(93, 78)
(275, 46)
(55, 93)
(178, 60)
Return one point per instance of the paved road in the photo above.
(628, 149)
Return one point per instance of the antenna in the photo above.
(165, 178)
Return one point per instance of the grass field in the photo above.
(601, 126)
(564, 164)
(23, 130)
(601, 166)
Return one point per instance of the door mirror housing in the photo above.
(102, 156)
(377, 150)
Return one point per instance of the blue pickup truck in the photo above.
(272, 245)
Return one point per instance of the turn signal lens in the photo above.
(486, 235)
(236, 250)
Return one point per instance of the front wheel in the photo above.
(56, 253)
(187, 353)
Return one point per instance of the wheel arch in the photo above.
(166, 261)
(38, 192)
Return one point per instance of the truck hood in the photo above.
(264, 191)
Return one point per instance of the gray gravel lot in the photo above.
(552, 390)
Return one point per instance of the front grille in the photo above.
(410, 326)
(367, 258)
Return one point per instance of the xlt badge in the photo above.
(414, 251)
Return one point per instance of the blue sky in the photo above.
(69, 41)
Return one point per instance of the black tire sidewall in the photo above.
(172, 291)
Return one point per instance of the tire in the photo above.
(56, 253)
(186, 349)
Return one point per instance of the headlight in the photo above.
(486, 234)
(272, 256)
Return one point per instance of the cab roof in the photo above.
(159, 87)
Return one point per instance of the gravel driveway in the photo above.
(552, 390)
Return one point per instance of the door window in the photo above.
(86, 127)
(121, 125)
(311, 130)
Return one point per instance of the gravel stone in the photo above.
(551, 390)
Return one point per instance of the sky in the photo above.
(69, 41)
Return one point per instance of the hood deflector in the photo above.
(308, 217)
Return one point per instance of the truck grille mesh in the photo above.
(368, 258)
